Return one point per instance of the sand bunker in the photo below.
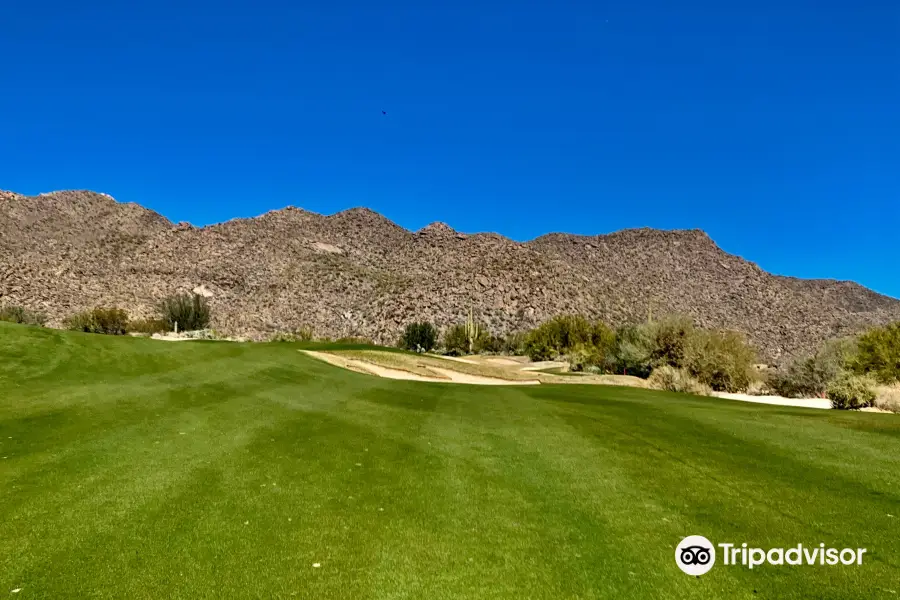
(442, 375)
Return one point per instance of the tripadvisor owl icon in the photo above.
(695, 555)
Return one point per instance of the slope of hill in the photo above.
(357, 273)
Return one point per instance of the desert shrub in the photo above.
(419, 337)
(669, 338)
(538, 348)
(456, 342)
(851, 392)
(80, 321)
(147, 326)
(352, 339)
(110, 321)
(23, 316)
(723, 360)
(887, 397)
(633, 350)
(800, 379)
(489, 343)
(670, 379)
(557, 336)
(190, 312)
(759, 386)
(585, 356)
(878, 353)
(568, 331)
(300, 334)
(809, 376)
(483, 340)
(514, 343)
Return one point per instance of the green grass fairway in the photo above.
(132, 468)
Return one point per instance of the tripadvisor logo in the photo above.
(696, 555)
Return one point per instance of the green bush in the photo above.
(488, 343)
(109, 321)
(878, 353)
(670, 379)
(189, 311)
(558, 336)
(633, 352)
(585, 356)
(514, 343)
(80, 321)
(539, 345)
(538, 349)
(809, 376)
(456, 342)
(723, 360)
(301, 334)
(23, 316)
(851, 392)
(604, 340)
(419, 337)
(147, 326)
(669, 339)
(352, 339)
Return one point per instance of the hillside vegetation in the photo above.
(357, 274)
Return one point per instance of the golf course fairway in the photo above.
(132, 468)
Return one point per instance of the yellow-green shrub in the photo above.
(723, 360)
(21, 315)
(109, 321)
(851, 392)
(670, 379)
(878, 353)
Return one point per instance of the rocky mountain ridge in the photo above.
(357, 273)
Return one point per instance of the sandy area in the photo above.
(780, 401)
(821, 403)
(546, 364)
(506, 362)
(442, 375)
(456, 358)
(447, 375)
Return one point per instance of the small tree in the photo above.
(558, 336)
(419, 337)
(720, 359)
(633, 354)
(670, 337)
(189, 311)
(879, 353)
(809, 376)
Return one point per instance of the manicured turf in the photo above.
(140, 469)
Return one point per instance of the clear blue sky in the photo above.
(773, 124)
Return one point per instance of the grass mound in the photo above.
(131, 468)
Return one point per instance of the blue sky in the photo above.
(772, 125)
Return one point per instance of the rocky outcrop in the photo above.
(357, 273)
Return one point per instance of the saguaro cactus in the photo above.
(472, 332)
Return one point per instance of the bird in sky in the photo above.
(384, 112)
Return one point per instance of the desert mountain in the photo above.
(357, 273)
